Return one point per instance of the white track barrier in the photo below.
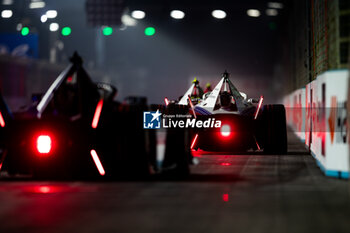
(317, 113)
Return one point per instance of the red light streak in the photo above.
(97, 114)
(2, 121)
(97, 162)
(259, 106)
(225, 197)
(166, 101)
(194, 141)
(257, 144)
(191, 104)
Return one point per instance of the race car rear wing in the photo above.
(210, 102)
(50, 92)
(183, 100)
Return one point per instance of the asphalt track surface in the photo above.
(225, 193)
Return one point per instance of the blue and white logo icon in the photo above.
(151, 120)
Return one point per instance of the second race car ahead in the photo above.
(246, 124)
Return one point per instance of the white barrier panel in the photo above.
(323, 119)
(295, 112)
(299, 113)
(337, 148)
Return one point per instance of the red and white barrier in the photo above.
(318, 114)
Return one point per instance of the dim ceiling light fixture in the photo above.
(6, 14)
(276, 5)
(54, 27)
(128, 21)
(137, 14)
(7, 2)
(253, 13)
(177, 14)
(51, 14)
(218, 14)
(271, 12)
(36, 5)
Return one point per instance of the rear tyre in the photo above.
(274, 120)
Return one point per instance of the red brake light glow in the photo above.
(97, 162)
(69, 79)
(97, 114)
(44, 144)
(166, 101)
(226, 164)
(225, 197)
(194, 141)
(259, 106)
(44, 189)
(2, 121)
(225, 130)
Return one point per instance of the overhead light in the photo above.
(51, 14)
(6, 14)
(276, 5)
(36, 5)
(43, 18)
(128, 21)
(219, 14)
(7, 2)
(177, 14)
(271, 12)
(54, 27)
(253, 13)
(138, 14)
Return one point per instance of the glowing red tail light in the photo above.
(194, 141)
(259, 106)
(44, 144)
(2, 121)
(225, 197)
(97, 114)
(226, 164)
(225, 130)
(166, 101)
(97, 162)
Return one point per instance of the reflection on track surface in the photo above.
(225, 193)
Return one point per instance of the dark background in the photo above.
(165, 64)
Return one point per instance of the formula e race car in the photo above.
(78, 130)
(245, 123)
